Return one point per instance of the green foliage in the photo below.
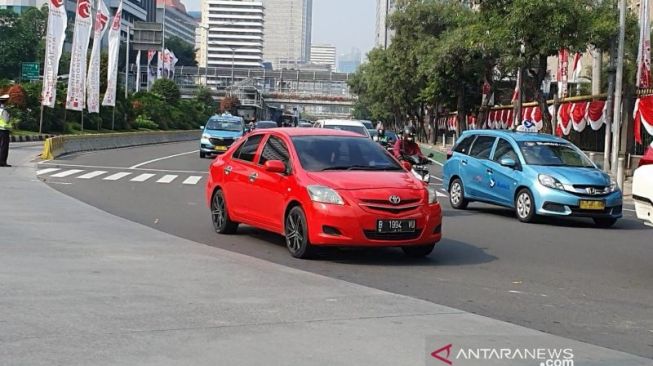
(167, 89)
(144, 122)
(21, 39)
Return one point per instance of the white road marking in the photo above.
(441, 194)
(142, 178)
(123, 168)
(46, 171)
(162, 158)
(66, 173)
(436, 162)
(92, 175)
(167, 179)
(192, 180)
(627, 209)
(117, 176)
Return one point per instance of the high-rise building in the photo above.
(349, 62)
(323, 54)
(178, 23)
(383, 33)
(287, 37)
(235, 33)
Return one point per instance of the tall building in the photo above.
(235, 33)
(383, 33)
(287, 37)
(323, 54)
(178, 23)
(348, 63)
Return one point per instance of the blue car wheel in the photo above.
(525, 206)
(457, 195)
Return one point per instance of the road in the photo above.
(564, 277)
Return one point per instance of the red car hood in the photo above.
(355, 180)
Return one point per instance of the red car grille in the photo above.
(386, 206)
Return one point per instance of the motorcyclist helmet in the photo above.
(409, 133)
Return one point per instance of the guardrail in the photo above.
(62, 145)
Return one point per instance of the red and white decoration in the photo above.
(112, 69)
(472, 122)
(644, 105)
(54, 38)
(93, 78)
(577, 67)
(643, 116)
(578, 115)
(563, 71)
(533, 114)
(76, 98)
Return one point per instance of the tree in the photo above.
(20, 40)
(185, 52)
(229, 104)
(167, 89)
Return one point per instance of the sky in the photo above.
(341, 23)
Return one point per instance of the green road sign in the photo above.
(30, 71)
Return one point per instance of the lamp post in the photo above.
(206, 54)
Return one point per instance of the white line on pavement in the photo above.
(123, 168)
(46, 171)
(192, 180)
(92, 175)
(627, 209)
(167, 179)
(66, 173)
(437, 162)
(162, 158)
(142, 178)
(441, 194)
(117, 176)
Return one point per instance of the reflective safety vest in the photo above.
(4, 120)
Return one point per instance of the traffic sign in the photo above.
(30, 71)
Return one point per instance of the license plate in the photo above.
(592, 205)
(221, 148)
(395, 226)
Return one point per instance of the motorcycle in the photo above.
(418, 166)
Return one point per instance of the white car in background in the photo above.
(643, 187)
(344, 125)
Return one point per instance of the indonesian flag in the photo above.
(644, 53)
(563, 70)
(93, 78)
(54, 38)
(112, 69)
(76, 98)
(577, 66)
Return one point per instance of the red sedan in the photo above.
(320, 187)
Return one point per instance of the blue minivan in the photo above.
(219, 133)
(532, 173)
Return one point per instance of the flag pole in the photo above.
(82, 112)
(113, 118)
(41, 120)
(127, 65)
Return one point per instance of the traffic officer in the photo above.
(5, 128)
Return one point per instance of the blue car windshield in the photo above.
(553, 154)
(224, 125)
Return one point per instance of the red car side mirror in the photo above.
(275, 166)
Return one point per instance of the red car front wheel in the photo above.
(297, 234)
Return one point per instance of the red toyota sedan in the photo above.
(320, 187)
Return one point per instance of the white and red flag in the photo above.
(54, 38)
(577, 67)
(93, 79)
(75, 100)
(114, 50)
(563, 71)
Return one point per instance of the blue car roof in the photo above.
(518, 136)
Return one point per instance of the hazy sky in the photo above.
(342, 23)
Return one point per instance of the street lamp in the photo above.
(206, 54)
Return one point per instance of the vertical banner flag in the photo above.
(173, 62)
(159, 65)
(166, 63)
(644, 54)
(577, 67)
(93, 79)
(138, 71)
(150, 57)
(563, 72)
(54, 38)
(114, 50)
(75, 99)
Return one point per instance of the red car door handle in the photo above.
(252, 177)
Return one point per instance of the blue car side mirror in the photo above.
(507, 162)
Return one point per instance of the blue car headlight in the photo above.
(550, 182)
(206, 136)
(613, 185)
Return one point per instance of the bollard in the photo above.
(444, 140)
(620, 172)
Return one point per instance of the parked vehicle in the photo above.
(219, 133)
(369, 125)
(320, 187)
(643, 193)
(534, 174)
(647, 158)
(344, 125)
(265, 124)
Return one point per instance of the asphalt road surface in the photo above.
(564, 277)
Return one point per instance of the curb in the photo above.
(29, 138)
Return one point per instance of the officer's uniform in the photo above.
(5, 129)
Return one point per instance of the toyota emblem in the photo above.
(395, 200)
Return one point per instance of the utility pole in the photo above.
(609, 108)
(127, 65)
(596, 70)
(616, 127)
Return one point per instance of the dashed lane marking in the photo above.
(46, 171)
(193, 179)
(92, 175)
(167, 179)
(117, 176)
(66, 173)
(142, 177)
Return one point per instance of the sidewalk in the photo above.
(82, 287)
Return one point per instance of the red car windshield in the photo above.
(322, 153)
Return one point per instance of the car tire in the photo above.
(525, 206)
(457, 195)
(418, 251)
(222, 223)
(296, 233)
(202, 155)
(605, 223)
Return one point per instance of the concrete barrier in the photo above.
(62, 145)
(28, 138)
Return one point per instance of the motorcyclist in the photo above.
(251, 126)
(406, 146)
(381, 137)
